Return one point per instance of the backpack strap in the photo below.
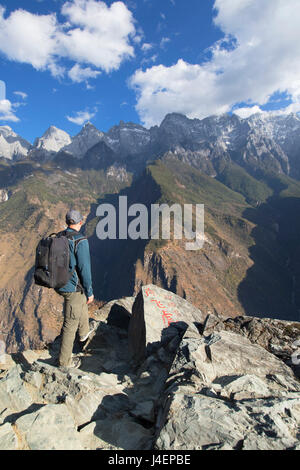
(76, 242)
(70, 236)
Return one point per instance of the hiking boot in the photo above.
(74, 364)
(93, 325)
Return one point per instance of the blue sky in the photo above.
(68, 61)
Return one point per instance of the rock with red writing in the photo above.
(157, 316)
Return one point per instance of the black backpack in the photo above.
(52, 260)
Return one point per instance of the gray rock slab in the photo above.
(116, 433)
(224, 392)
(195, 422)
(225, 356)
(13, 391)
(49, 428)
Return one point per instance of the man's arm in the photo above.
(84, 266)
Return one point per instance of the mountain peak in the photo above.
(173, 117)
(89, 125)
(84, 140)
(52, 129)
(12, 145)
(6, 130)
(89, 128)
(53, 140)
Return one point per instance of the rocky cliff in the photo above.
(158, 374)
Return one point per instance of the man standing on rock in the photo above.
(77, 293)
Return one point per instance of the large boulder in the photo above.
(116, 312)
(158, 316)
(224, 392)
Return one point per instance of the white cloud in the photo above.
(139, 36)
(93, 34)
(7, 112)
(28, 38)
(81, 117)
(182, 88)
(2, 90)
(259, 56)
(164, 41)
(148, 60)
(79, 74)
(248, 111)
(22, 94)
(101, 36)
(146, 47)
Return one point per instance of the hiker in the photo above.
(77, 293)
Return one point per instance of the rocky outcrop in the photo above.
(225, 393)
(276, 336)
(202, 383)
(157, 317)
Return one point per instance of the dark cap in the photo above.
(73, 217)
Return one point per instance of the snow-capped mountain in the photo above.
(53, 140)
(278, 127)
(128, 138)
(12, 146)
(84, 140)
(229, 130)
(265, 141)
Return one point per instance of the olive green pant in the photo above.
(76, 318)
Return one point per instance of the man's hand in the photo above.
(90, 300)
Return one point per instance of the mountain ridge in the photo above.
(259, 142)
